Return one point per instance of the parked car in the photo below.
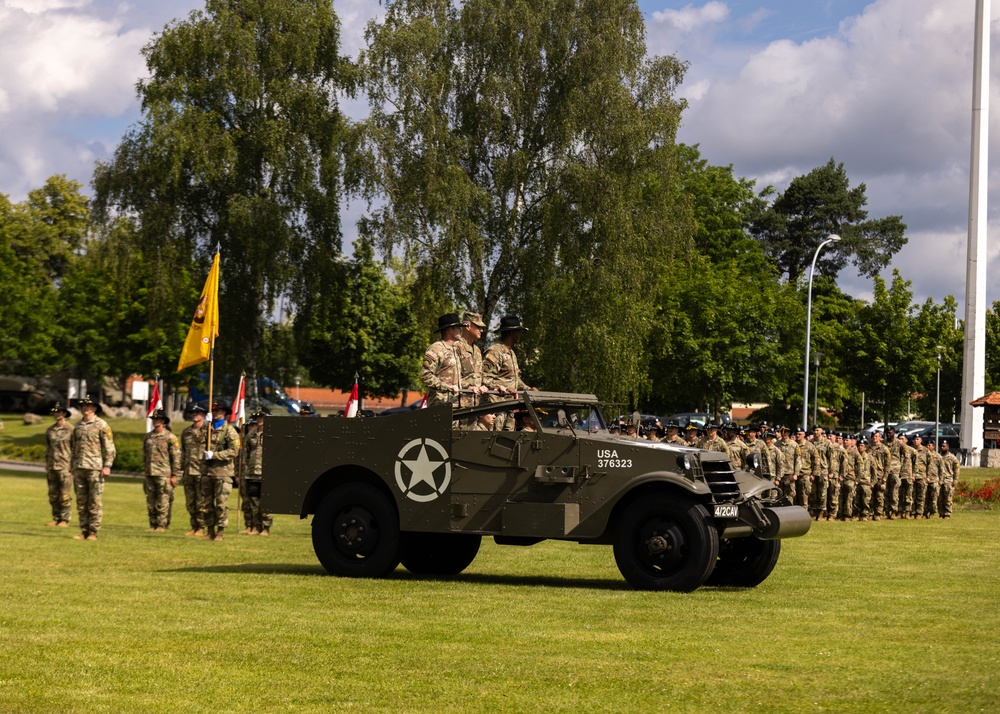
(268, 393)
(905, 427)
(698, 418)
(946, 432)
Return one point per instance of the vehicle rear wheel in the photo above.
(744, 562)
(355, 532)
(439, 553)
(666, 542)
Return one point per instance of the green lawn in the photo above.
(890, 616)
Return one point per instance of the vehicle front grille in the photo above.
(721, 479)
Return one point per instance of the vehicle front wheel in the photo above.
(355, 532)
(666, 542)
(744, 562)
(439, 553)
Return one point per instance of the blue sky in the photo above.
(775, 88)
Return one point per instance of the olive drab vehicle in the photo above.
(410, 489)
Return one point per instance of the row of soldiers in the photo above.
(79, 457)
(456, 372)
(838, 477)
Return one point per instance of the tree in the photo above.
(938, 326)
(891, 356)
(792, 224)
(992, 349)
(367, 329)
(39, 239)
(239, 147)
(523, 151)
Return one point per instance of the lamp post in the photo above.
(812, 269)
(937, 407)
(816, 390)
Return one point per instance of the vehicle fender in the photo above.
(752, 485)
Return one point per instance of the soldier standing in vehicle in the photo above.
(711, 441)
(441, 373)
(674, 434)
(58, 457)
(93, 447)
(500, 369)
(258, 520)
(950, 468)
(193, 440)
(161, 453)
(217, 483)
(471, 359)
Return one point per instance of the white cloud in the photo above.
(690, 18)
(37, 7)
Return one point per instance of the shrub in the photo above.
(985, 495)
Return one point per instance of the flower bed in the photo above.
(985, 495)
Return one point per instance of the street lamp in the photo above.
(937, 408)
(805, 394)
(816, 391)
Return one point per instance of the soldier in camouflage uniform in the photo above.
(471, 359)
(161, 452)
(712, 442)
(691, 435)
(837, 452)
(789, 463)
(258, 520)
(893, 480)
(194, 439)
(58, 457)
(864, 470)
(950, 468)
(880, 457)
(93, 447)
(921, 462)
(500, 370)
(674, 434)
(737, 449)
(906, 457)
(441, 373)
(821, 475)
(848, 480)
(752, 442)
(808, 464)
(770, 458)
(934, 465)
(217, 483)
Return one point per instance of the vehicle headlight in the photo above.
(684, 461)
(753, 460)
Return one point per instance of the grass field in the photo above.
(857, 617)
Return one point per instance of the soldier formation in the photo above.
(835, 477)
(81, 456)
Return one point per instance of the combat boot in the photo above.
(209, 534)
(91, 536)
(52, 524)
(218, 535)
(80, 536)
(265, 532)
(247, 531)
(63, 524)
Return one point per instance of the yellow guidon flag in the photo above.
(205, 325)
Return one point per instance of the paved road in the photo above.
(40, 468)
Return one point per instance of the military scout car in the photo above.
(410, 489)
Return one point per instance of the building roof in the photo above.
(991, 399)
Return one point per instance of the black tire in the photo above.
(355, 532)
(666, 542)
(744, 562)
(439, 553)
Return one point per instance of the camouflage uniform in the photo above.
(950, 467)
(715, 444)
(193, 442)
(848, 483)
(832, 505)
(893, 480)
(162, 460)
(934, 464)
(789, 466)
(808, 464)
(441, 371)
(821, 478)
(471, 359)
(676, 440)
(920, 464)
(880, 462)
(770, 461)
(258, 520)
(906, 456)
(217, 483)
(864, 470)
(58, 456)
(500, 370)
(737, 454)
(93, 447)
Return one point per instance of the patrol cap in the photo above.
(448, 320)
(160, 414)
(60, 408)
(509, 323)
(88, 402)
(474, 318)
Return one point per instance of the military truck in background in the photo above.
(410, 489)
(27, 394)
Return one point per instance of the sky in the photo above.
(774, 87)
